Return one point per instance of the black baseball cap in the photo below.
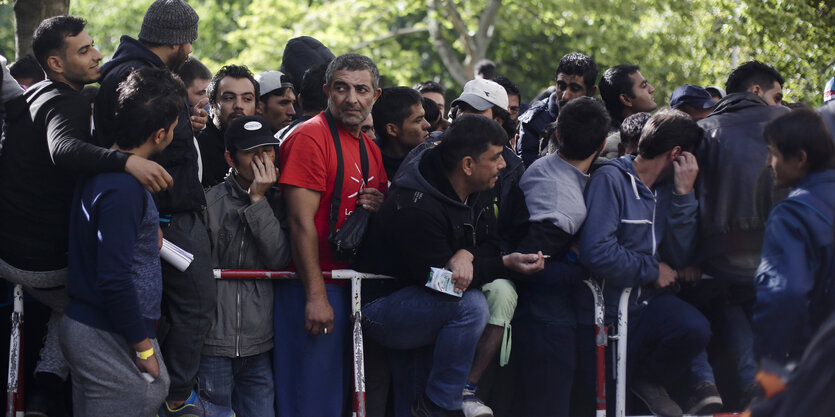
(248, 132)
(693, 96)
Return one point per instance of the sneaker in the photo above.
(46, 396)
(424, 407)
(196, 407)
(472, 406)
(656, 399)
(704, 400)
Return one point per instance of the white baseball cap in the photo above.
(483, 94)
(269, 81)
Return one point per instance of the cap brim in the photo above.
(252, 143)
(476, 102)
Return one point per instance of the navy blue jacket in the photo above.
(179, 158)
(114, 274)
(630, 228)
(532, 125)
(797, 269)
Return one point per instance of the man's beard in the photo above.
(344, 119)
(175, 62)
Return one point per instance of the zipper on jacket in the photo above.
(238, 296)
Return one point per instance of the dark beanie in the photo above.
(169, 22)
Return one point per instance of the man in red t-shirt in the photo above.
(309, 364)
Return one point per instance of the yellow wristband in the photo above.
(145, 354)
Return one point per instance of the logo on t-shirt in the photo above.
(358, 180)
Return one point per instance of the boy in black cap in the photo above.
(243, 215)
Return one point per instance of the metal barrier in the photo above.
(356, 312)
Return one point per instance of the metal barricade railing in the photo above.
(14, 387)
(356, 312)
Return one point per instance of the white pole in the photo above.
(623, 317)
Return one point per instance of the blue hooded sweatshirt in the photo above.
(630, 228)
(795, 278)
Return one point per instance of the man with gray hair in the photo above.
(328, 169)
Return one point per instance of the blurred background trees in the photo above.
(674, 41)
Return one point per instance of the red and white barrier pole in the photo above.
(14, 387)
(600, 341)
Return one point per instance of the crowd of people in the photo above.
(716, 212)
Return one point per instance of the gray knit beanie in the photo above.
(169, 22)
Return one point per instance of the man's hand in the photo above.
(149, 365)
(685, 169)
(666, 275)
(461, 265)
(524, 263)
(150, 174)
(690, 274)
(318, 316)
(199, 117)
(266, 175)
(159, 236)
(370, 199)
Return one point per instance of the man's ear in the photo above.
(591, 91)
(467, 165)
(228, 157)
(159, 136)
(55, 64)
(392, 131)
(675, 152)
(803, 159)
(326, 89)
(625, 100)
(377, 95)
(756, 89)
(259, 108)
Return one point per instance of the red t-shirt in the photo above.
(307, 159)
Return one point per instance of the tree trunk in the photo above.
(28, 15)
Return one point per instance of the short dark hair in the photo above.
(802, 130)
(149, 99)
(752, 73)
(192, 70)
(582, 126)
(614, 82)
(509, 86)
(27, 67)
(667, 129)
(313, 97)
(234, 71)
(429, 87)
(432, 113)
(393, 106)
(49, 37)
(469, 135)
(575, 63)
(485, 68)
(632, 126)
(353, 62)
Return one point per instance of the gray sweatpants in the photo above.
(105, 379)
(50, 288)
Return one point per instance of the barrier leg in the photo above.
(359, 359)
(623, 316)
(14, 388)
(600, 346)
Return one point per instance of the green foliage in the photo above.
(674, 41)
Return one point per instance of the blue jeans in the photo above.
(414, 316)
(664, 339)
(244, 384)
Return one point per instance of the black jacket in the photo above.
(423, 223)
(212, 149)
(46, 144)
(179, 158)
(735, 188)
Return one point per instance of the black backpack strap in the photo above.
(336, 200)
